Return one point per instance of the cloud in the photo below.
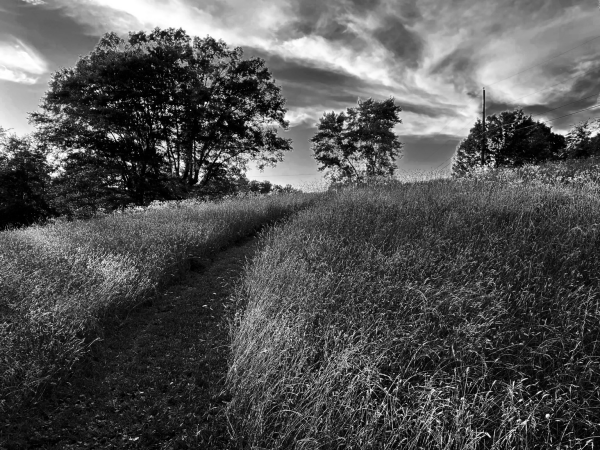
(458, 68)
(307, 83)
(19, 62)
(16, 76)
(432, 56)
(35, 2)
(400, 41)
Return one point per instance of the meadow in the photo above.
(439, 314)
(63, 282)
(447, 314)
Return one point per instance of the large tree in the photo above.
(359, 143)
(513, 139)
(160, 108)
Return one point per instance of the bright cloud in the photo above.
(16, 76)
(20, 63)
(432, 56)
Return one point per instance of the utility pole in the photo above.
(483, 136)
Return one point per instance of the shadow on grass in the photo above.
(155, 380)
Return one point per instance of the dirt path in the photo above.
(156, 382)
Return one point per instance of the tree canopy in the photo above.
(359, 143)
(158, 113)
(24, 181)
(579, 140)
(513, 139)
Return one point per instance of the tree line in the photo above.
(163, 116)
(513, 138)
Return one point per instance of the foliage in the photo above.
(580, 142)
(59, 281)
(237, 184)
(160, 108)
(84, 186)
(513, 139)
(24, 181)
(287, 189)
(360, 143)
(581, 173)
(476, 327)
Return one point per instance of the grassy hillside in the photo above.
(59, 281)
(441, 315)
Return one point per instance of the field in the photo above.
(61, 283)
(439, 314)
(449, 314)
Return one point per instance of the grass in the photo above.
(156, 382)
(449, 314)
(575, 173)
(60, 283)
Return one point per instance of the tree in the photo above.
(85, 185)
(468, 153)
(513, 139)
(580, 142)
(287, 189)
(360, 143)
(260, 187)
(224, 182)
(24, 181)
(161, 108)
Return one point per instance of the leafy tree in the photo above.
(468, 153)
(161, 109)
(223, 182)
(85, 185)
(287, 189)
(580, 142)
(513, 139)
(260, 187)
(360, 143)
(24, 181)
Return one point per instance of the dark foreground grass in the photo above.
(156, 382)
(60, 283)
(438, 315)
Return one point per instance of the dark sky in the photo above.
(432, 56)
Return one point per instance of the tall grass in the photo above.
(575, 173)
(435, 315)
(59, 281)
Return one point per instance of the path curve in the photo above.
(156, 382)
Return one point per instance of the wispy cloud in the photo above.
(19, 62)
(35, 2)
(432, 56)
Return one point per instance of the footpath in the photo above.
(155, 382)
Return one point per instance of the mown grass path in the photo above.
(155, 382)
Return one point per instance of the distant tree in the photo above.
(24, 181)
(160, 109)
(287, 189)
(260, 187)
(360, 143)
(513, 139)
(580, 142)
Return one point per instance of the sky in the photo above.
(432, 56)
